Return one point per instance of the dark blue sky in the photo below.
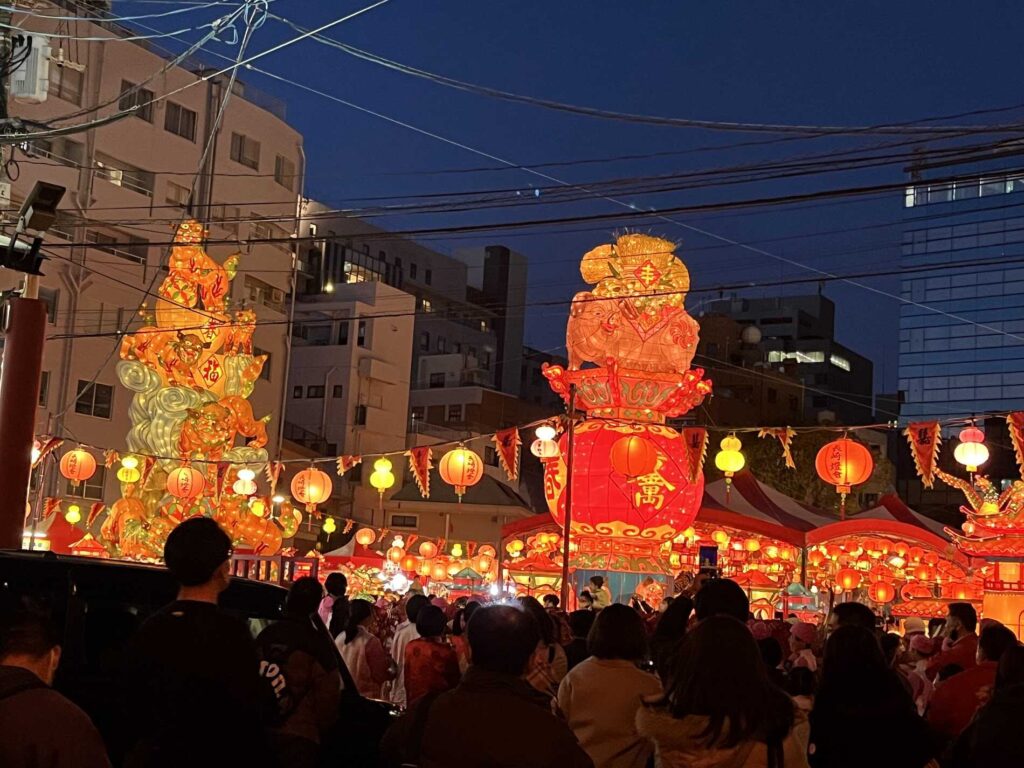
(869, 62)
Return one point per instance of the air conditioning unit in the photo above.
(30, 81)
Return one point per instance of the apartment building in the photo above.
(127, 187)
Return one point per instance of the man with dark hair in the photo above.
(960, 643)
(955, 701)
(192, 689)
(333, 610)
(721, 597)
(580, 623)
(300, 662)
(470, 726)
(404, 634)
(550, 602)
(851, 614)
(38, 726)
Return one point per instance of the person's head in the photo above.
(413, 606)
(502, 639)
(922, 647)
(618, 633)
(545, 623)
(198, 554)
(304, 597)
(722, 597)
(30, 641)
(853, 657)
(771, 652)
(891, 644)
(580, 623)
(551, 602)
(961, 619)
(948, 671)
(360, 614)
(336, 585)
(673, 622)
(719, 675)
(1011, 668)
(801, 682)
(994, 641)
(913, 626)
(431, 621)
(597, 582)
(802, 636)
(586, 600)
(851, 614)
(664, 604)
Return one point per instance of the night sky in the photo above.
(845, 63)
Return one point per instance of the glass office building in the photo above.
(962, 319)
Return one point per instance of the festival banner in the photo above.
(94, 512)
(420, 466)
(51, 506)
(695, 439)
(785, 437)
(345, 463)
(147, 467)
(110, 458)
(1015, 421)
(507, 443)
(924, 438)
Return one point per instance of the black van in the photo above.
(98, 604)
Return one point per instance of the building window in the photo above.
(265, 370)
(839, 362)
(425, 341)
(485, 362)
(454, 413)
(427, 276)
(409, 522)
(180, 121)
(382, 255)
(263, 293)
(483, 326)
(418, 413)
(490, 456)
(412, 271)
(338, 391)
(44, 388)
(91, 488)
(273, 234)
(94, 399)
(123, 175)
(284, 173)
(177, 194)
(343, 333)
(66, 83)
(227, 217)
(51, 299)
(442, 344)
(427, 306)
(141, 99)
(436, 380)
(123, 245)
(245, 150)
(360, 415)
(315, 391)
(297, 393)
(361, 334)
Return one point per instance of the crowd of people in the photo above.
(697, 682)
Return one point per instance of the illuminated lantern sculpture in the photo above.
(311, 487)
(544, 449)
(245, 485)
(633, 457)
(439, 570)
(74, 514)
(488, 550)
(185, 483)
(330, 526)
(395, 554)
(483, 563)
(365, 536)
(720, 537)
(409, 563)
(77, 466)
(844, 463)
(882, 592)
(423, 568)
(428, 549)
(462, 469)
(848, 579)
(382, 477)
(546, 432)
(971, 452)
(729, 461)
(129, 471)
(751, 545)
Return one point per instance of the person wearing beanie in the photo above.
(191, 686)
(912, 627)
(801, 641)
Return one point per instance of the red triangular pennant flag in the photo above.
(345, 463)
(50, 507)
(273, 473)
(507, 443)
(47, 446)
(94, 512)
(785, 437)
(924, 439)
(695, 439)
(110, 458)
(420, 465)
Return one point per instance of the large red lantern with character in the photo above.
(654, 507)
(77, 465)
(844, 463)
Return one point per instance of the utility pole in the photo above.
(567, 522)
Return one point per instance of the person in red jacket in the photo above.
(957, 699)
(962, 646)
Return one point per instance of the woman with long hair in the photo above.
(861, 704)
(364, 654)
(668, 636)
(720, 709)
(549, 664)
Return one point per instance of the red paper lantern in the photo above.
(924, 573)
(461, 468)
(395, 554)
(186, 483)
(847, 578)
(815, 557)
(882, 592)
(366, 536)
(607, 503)
(311, 487)
(439, 570)
(483, 563)
(428, 549)
(423, 569)
(844, 463)
(77, 465)
(409, 563)
(633, 457)
(488, 550)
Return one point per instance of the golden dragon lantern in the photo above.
(634, 330)
(191, 371)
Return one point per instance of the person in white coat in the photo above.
(404, 634)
